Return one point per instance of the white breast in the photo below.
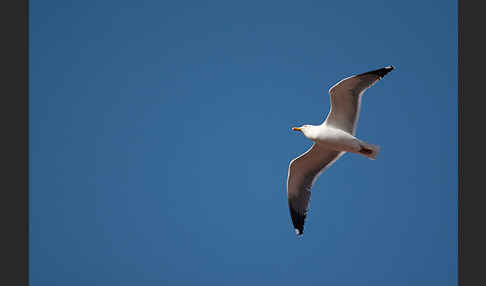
(337, 139)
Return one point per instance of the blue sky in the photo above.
(160, 141)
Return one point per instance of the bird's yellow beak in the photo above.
(297, 129)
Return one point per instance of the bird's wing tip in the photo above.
(383, 71)
(379, 72)
(298, 220)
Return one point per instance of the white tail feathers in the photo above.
(369, 150)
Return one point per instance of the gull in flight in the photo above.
(332, 139)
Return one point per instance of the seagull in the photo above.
(332, 139)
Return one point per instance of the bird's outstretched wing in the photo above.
(303, 172)
(346, 98)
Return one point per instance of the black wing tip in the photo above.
(380, 72)
(298, 220)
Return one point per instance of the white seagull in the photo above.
(332, 138)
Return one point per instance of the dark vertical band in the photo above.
(472, 155)
(14, 206)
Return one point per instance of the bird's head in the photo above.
(307, 130)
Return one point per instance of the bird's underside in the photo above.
(303, 171)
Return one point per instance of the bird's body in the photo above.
(332, 138)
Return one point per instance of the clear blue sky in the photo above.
(160, 141)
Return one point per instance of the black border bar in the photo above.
(14, 140)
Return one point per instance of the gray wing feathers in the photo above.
(346, 98)
(303, 171)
